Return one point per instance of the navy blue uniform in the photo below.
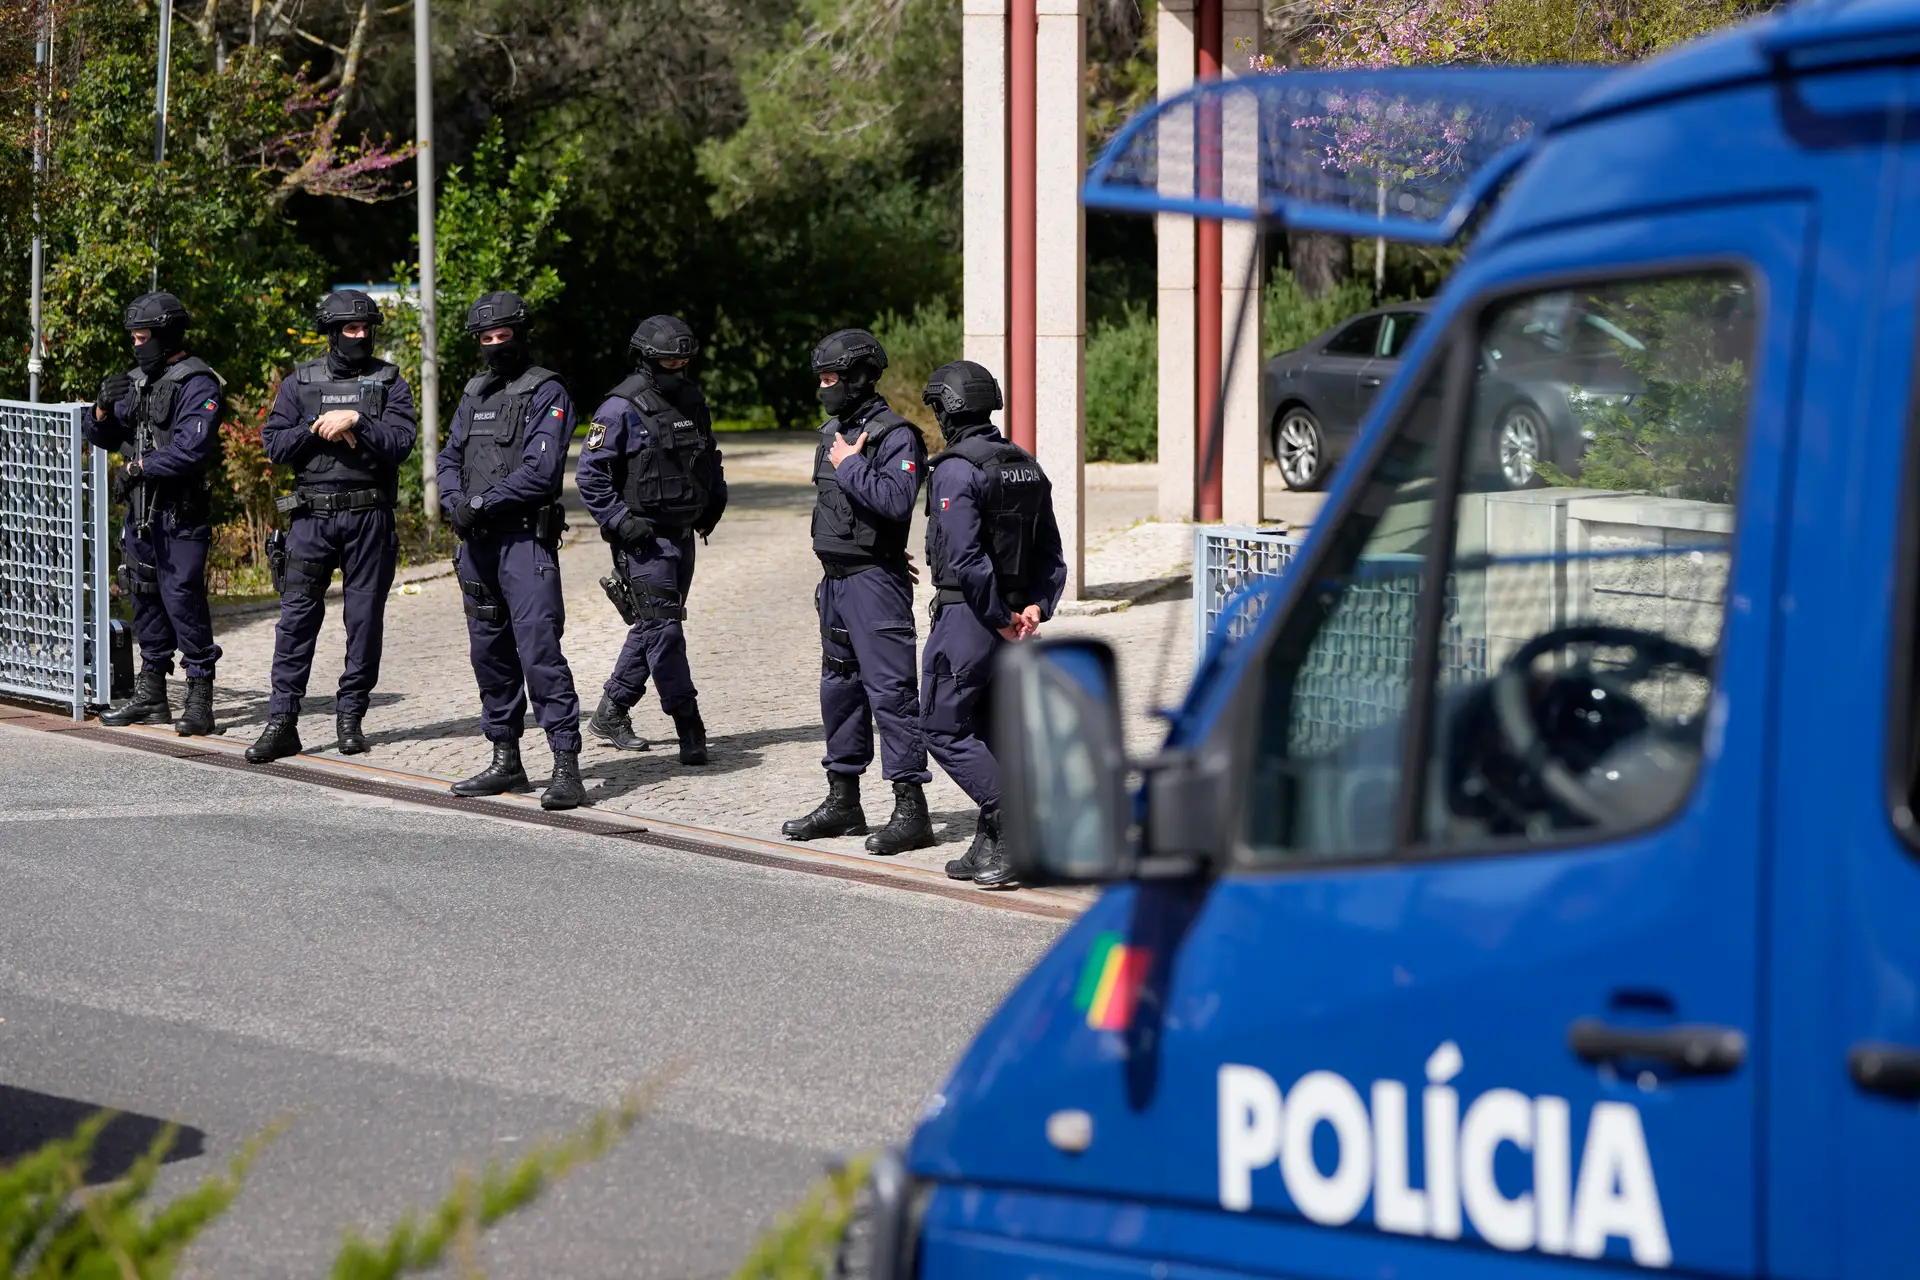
(661, 568)
(360, 541)
(973, 608)
(167, 562)
(865, 599)
(516, 645)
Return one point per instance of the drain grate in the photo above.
(187, 749)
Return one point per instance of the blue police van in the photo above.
(1529, 885)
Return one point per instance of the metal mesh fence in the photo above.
(53, 557)
(1361, 663)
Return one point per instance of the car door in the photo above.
(1396, 331)
(1843, 1126)
(1331, 376)
(1495, 1008)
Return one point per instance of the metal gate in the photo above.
(53, 557)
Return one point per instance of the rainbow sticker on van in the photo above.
(1110, 983)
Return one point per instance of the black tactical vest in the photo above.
(1018, 495)
(843, 532)
(186, 496)
(331, 464)
(497, 427)
(665, 475)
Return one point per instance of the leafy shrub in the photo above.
(1123, 388)
(53, 1227)
(916, 346)
(1293, 319)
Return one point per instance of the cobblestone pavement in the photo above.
(753, 642)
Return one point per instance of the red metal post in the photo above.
(1207, 298)
(1023, 249)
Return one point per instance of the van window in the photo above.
(1582, 611)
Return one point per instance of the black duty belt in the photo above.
(327, 503)
(847, 568)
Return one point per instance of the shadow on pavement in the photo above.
(30, 1120)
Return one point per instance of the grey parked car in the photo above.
(1317, 394)
(1540, 375)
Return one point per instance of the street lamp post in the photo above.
(429, 286)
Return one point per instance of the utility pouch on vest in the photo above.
(481, 604)
(291, 504)
(277, 559)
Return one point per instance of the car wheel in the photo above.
(1299, 449)
(1519, 446)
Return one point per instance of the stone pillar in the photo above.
(1240, 296)
(1060, 302)
(983, 53)
(1175, 310)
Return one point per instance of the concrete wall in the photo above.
(1557, 557)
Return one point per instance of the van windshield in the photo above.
(1587, 553)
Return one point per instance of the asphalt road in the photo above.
(415, 991)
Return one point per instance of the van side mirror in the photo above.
(1065, 814)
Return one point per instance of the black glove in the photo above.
(635, 531)
(114, 390)
(464, 518)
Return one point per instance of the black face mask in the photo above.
(955, 427)
(151, 356)
(506, 358)
(350, 353)
(667, 381)
(843, 397)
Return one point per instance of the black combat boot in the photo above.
(502, 775)
(963, 867)
(994, 869)
(196, 718)
(280, 739)
(693, 734)
(613, 725)
(909, 827)
(147, 706)
(838, 815)
(565, 790)
(346, 727)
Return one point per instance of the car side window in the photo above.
(1357, 339)
(1396, 330)
(1573, 659)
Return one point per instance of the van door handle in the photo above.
(1369, 382)
(1695, 1050)
(1885, 1068)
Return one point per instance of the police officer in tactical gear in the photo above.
(164, 417)
(344, 423)
(650, 473)
(993, 547)
(867, 473)
(500, 481)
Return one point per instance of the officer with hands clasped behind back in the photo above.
(500, 481)
(993, 547)
(344, 423)
(867, 473)
(650, 474)
(164, 418)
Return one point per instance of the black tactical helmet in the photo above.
(842, 350)
(664, 338)
(156, 311)
(497, 310)
(962, 387)
(343, 307)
